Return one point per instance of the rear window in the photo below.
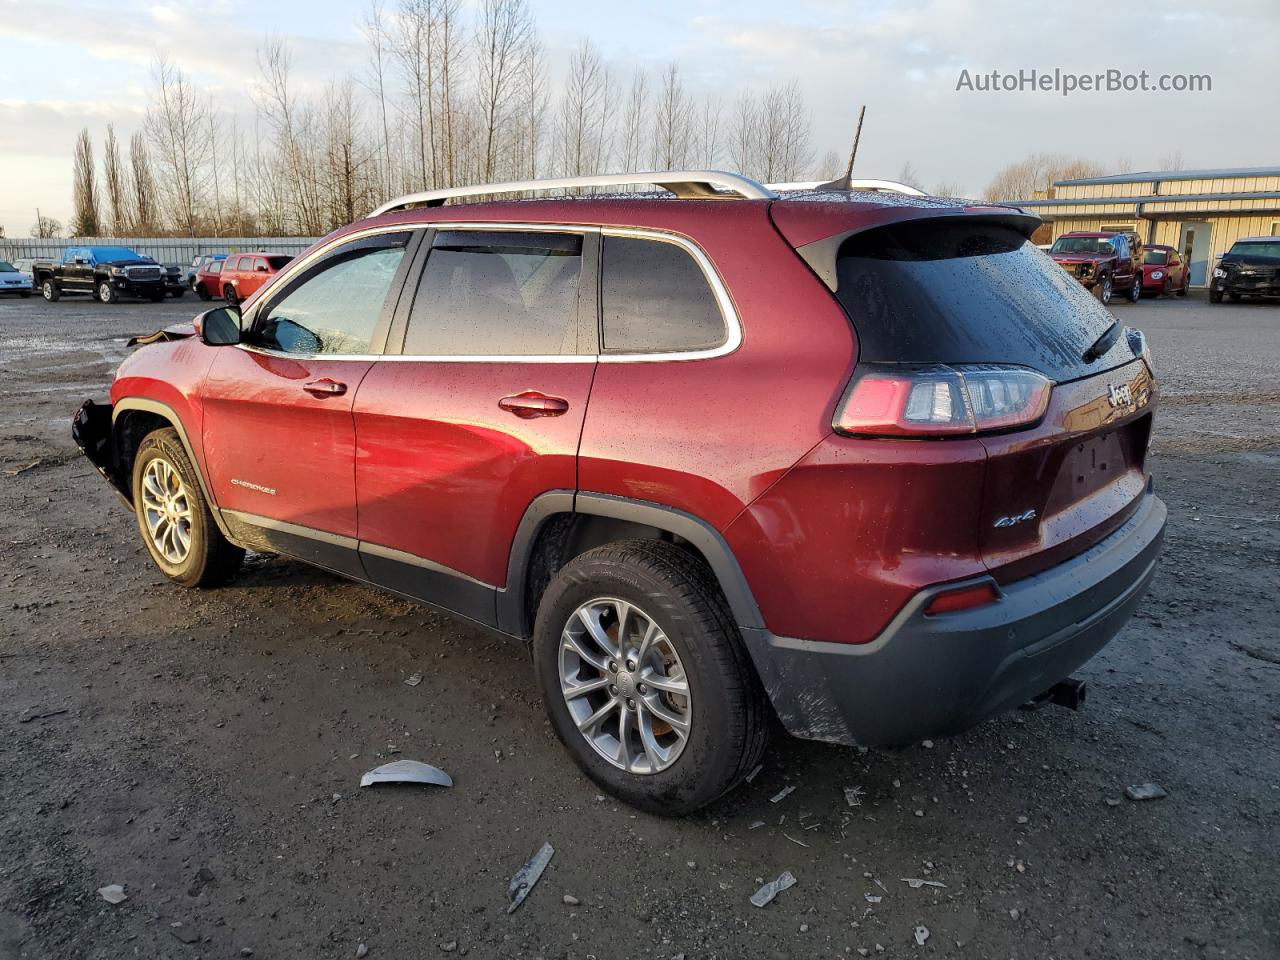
(1255, 249)
(1157, 258)
(960, 291)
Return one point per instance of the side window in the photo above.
(259, 263)
(497, 293)
(334, 306)
(215, 267)
(654, 298)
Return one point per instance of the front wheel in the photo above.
(50, 291)
(178, 293)
(173, 517)
(106, 292)
(1102, 290)
(24, 294)
(645, 678)
(1135, 291)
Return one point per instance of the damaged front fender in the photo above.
(91, 429)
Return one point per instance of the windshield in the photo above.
(1082, 245)
(6, 267)
(113, 254)
(278, 262)
(1265, 248)
(1156, 257)
(968, 291)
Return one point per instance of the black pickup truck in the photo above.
(107, 273)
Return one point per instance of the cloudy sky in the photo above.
(66, 64)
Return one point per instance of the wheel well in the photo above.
(564, 536)
(131, 427)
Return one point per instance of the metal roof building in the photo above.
(1200, 211)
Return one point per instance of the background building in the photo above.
(1200, 211)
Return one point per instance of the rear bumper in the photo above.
(928, 676)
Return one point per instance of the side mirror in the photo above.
(220, 327)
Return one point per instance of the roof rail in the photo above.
(686, 184)
(884, 186)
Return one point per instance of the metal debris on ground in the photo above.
(361, 951)
(113, 893)
(782, 794)
(853, 796)
(916, 884)
(406, 771)
(528, 875)
(1145, 791)
(871, 898)
(755, 824)
(921, 935)
(414, 680)
(798, 843)
(764, 896)
(39, 714)
(570, 900)
(754, 773)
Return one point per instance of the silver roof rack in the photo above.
(686, 184)
(883, 186)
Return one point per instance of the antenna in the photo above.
(844, 183)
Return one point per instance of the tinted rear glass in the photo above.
(951, 291)
(654, 298)
(1156, 258)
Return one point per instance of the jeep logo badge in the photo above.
(1120, 396)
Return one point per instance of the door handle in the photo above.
(532, 404)
(324, 387)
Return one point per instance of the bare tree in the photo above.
(292, 129)
(373, 26)
(830, 167)
(909, 176)
(706, 134)
(446, 51)
(634, 123)
(85, 189)
(948, 188)
(1172, 161)
(672, 122)
(176, 126)
(579, 105)
(535, 102)
(501, 38)
(744, 144)
(113, 181)
(143, 214)
(46, 227)
(1037, 174)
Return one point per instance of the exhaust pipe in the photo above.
(1069, 693)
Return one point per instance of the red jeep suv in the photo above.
(862, 462)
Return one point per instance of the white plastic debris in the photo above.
(916, 884)
(921, 934)
(853, 796)
(871, 898)
(406, 771)
(782, 794)
(414, 679)
(764, 896)
(113, 893)
(755, 773)
(528, 875)
(1145, 791)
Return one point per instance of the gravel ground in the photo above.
(204, 749)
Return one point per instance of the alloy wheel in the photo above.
(625, 687)
(167, 511)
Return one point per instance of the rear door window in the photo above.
(655, 298)
(497, 294)
(969, 291)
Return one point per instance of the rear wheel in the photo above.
(645, 678)
(1215, 295)
(24, 294)
(50, 291)
(229, 295)
(202, 292)
(1182, 291)
(177, 293)
(106, 292)
(173, 518)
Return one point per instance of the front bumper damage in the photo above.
(91, 429)
(928, 676)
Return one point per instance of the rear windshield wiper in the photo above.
(1103, 343)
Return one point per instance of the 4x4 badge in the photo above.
(1120, 396)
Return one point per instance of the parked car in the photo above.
(208, 281)
(107, 273)
(244, 274)
(690, 451)
(1164, 271)
(1102, 262)
(198, 263)
(175, 284)
(13, 280)
(25, 265)
(1251, 268)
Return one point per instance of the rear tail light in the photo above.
(962, 598)
(902, 400)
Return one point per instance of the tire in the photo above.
(1182, 291)
(178, 294)
(202, 292)
(24, 294)
(156, 297)
(727, 713)
(1215, 295)
(229, 295)
(1135, 289)
(1235, 297)
(1102, 289)
(50, 290)
(209, 558)
(106, 292)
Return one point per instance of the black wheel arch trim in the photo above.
(511, 600)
